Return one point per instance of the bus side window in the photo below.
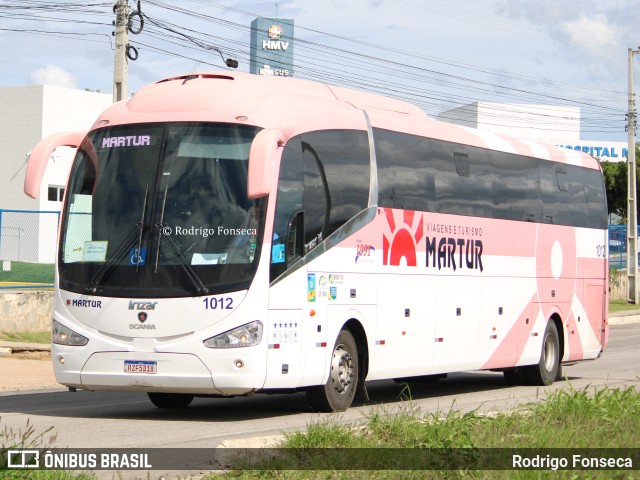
(288, 204)
(337, 167)
(293, 245)
(405, 171)
(316, 200)
(322, 184)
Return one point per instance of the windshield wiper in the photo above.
(165, 231)
(160, 225)
(109, 265)
(141, 225)
(184, 263)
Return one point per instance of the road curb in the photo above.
(624, 319)
(268, 441)
(23, 347)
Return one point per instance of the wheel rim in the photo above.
(341, 369)
(549, 352)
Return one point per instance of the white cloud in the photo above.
(53, 75)
(590, 33)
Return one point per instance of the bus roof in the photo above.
(285, 103)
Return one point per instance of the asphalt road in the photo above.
(128, 420)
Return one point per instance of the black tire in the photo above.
(170, 400)
(337, 394)
(546, 371)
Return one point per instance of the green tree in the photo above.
(615, 182)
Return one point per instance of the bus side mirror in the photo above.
(262, 155)
(41, 154)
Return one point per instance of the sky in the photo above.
(438, 54)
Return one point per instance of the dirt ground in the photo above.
(27, 371)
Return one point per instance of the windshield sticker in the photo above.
(128, 141)
(311, 287)
(95, 251)
(209, 259)
(138, 257)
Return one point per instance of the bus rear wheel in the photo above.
(170, 400)
(337, 394)
(546, 371)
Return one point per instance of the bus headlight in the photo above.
(65, 336)
(245, 336)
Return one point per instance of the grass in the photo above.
(29, 337)
(28, 273)
(622, 306)
(569, 419)
(387, 441)
(29, 439)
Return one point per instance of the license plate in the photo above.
(140, 366)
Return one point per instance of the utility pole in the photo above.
(632, 220)
(120, 66)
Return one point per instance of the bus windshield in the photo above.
(161, 210)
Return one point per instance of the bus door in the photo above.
(404, 345)
(506, 320)
(458, 301)
(284, 331)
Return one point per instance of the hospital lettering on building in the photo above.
(599, 151)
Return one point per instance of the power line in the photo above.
(414, 80)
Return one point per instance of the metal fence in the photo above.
(28, 248)
(618, 246)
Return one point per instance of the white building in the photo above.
(556, 125)
(28, 114)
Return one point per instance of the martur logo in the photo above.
(399, 248)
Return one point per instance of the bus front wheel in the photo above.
(170, 400)
(337, 394)
(546, 371)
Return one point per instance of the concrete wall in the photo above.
(618, 285)
(30, 113)
(541, 123)
(20, 130)
(466, 115)
(26, 311)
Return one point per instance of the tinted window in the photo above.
(516, 187)
(462, 178)
(323, 183)
(316, 201)
(405, 174)
(288, 204)
(417, 173)
(343, 157)
(562, 191)
(161, 211)
(596, 209)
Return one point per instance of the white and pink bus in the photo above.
(225, 234)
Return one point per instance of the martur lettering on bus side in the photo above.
(454, 253)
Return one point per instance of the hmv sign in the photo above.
(272, 46)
